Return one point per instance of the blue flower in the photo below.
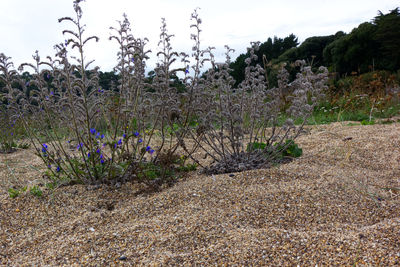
(133, 60)
(136, 133)
(66, 42)
(102, 161)
(88, 155)
(102, 136)
(124, 135)
(119, 141)
(44, 148)
(92, 130)
(79, 146)
(98, 151)
(140, 140)
(151, 151)
(97, 135)
(148, 148)
(48, 76)
(49, 166)
(51, 93)
(101, 156)
(187, 71)
(58, 169)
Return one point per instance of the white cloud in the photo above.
(27, 25)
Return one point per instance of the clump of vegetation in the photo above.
(140, 129)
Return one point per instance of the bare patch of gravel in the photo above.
(336, 205)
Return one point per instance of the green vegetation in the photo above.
(92, 127)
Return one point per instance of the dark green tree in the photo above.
(388, 36)
(271, 49)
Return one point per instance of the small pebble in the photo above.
(231, 175)
(122, 258)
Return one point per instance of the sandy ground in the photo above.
(337, 205)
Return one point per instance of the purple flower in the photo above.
(101, 156)
(27, 84)
(140, 140)
(102, 161)
(187, 70)
(66, 42)
(58, 169)
(51, 93)
(88, 155)
(119, 141)
(79, 146)
(98, 151)
(44, 148)
(49, 166)
(151, 151)
(102, 136)
(124, 135)
(12, 134)
(136, 133)
(48, 76)
(92, 130)
(133, 60)
(148, 148)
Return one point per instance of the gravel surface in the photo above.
(337, 205)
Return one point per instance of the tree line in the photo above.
(371, 46)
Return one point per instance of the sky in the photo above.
(27, 25)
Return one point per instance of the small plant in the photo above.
(289, 149)
(36, 191)
(13, 193)
(367, 122)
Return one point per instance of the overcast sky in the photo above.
(29, 25)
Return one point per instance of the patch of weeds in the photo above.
(187, 168)
(14, 192)
(352, 124)
(288, 149)
(36, 191)
(51, 185)
(367, 122)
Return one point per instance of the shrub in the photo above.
(230, 118)
(139, 129)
